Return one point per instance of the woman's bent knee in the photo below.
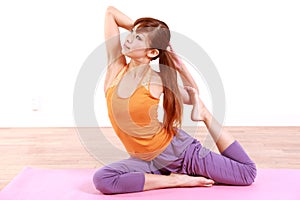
(103, 179)
(250, 174)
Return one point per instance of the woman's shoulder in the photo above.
(156, 85)
(155, 77)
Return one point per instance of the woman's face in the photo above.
(136, 44)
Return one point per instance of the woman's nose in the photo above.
(129, 38)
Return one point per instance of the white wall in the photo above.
(255, 46)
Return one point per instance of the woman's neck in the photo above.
(137, 69)
(138, 62)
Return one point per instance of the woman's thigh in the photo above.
(133, 165)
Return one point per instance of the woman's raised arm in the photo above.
(186, 77)
(114, 19)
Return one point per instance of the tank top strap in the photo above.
(146, 79)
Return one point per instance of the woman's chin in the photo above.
(125, 52)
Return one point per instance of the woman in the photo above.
(161, 154)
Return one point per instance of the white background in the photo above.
(255, 46)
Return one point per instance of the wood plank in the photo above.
(269, 147)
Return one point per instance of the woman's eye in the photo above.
(138, 37)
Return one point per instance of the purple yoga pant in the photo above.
(184, 155)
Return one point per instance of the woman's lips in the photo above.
(126, 46)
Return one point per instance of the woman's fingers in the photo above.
(190, 89)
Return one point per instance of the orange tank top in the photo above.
(135, 119)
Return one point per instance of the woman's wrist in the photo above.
(120, 18)
(187, 79)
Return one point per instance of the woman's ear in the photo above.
(152, 53)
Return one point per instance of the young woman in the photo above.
(161, 154)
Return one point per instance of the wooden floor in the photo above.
(269, 147)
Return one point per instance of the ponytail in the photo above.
(159, 38)
(172, 101)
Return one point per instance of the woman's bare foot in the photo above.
(199, 111)
(184, 180)
(156, 181)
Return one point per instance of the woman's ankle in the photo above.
(207, 118)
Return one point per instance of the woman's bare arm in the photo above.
(114, 19)
(188, 81)
(185, 75)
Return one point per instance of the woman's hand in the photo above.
(178, 62)
(199, 110)
(193, 94)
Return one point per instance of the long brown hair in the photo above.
(159, 37)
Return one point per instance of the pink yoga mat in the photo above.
(73, 184)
